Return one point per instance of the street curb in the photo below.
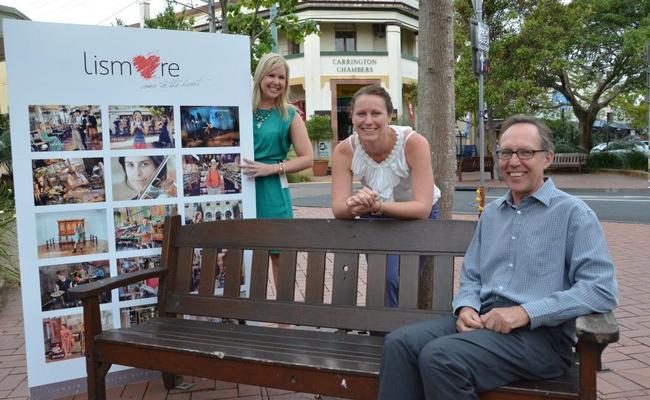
(626, 172)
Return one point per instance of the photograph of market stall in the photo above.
(68, 181)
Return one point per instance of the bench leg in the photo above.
(169, 380)
(96, 379)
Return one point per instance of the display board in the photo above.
(112, 130)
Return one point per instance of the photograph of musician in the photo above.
(209, 126)
(56, 280)
(211, 174)
(65, 127)
(71, 233)
(64, 335)
(142, 289)
(141, 127)
(143, 177)
(138, 228)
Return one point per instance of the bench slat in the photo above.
(451, 237)
(233, 266)
(315, 285)
(443, 282)
(259, 274)
(345, 279)
(298, 313)
(376, 280)
(286, 286)
(409, 273)
(184, 271)
(208, 271)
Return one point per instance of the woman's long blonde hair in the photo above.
(268, 63)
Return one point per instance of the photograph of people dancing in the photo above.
(393, 164)
(277, 126)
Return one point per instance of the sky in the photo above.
(87, 12)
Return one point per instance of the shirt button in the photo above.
(500, 287)
(519, 212)
(510, 265)
(514, 237)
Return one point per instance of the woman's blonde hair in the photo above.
(268, 63)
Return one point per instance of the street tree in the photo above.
(246, 17)
(435, 105)
(170, 19)
(591, 51)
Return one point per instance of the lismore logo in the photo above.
(148, 66)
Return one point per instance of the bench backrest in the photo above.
(335, 252)
(569, 158)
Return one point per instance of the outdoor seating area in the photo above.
(329, 352)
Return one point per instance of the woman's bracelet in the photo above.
(282, 170)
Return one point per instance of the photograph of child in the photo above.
(143, 289)
(212, 211)
(140, 227)
(68, 181)
(209, 126)
(130, 316)
(65, 127)
(56, 280)
(210, 174)
(71, 233)
(143, 177)
(141, 127)
(64, 335)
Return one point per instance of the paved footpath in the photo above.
(627, 363)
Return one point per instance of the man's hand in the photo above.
(468, 320)
(505, 319)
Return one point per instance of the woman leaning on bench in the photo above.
(538, 260)
(394, 166)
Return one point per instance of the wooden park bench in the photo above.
(470, 164)
(325, 351)
(562, 160)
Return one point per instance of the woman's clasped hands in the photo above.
(365, 201)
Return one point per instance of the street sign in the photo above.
(483, 42)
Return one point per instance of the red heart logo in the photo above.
(146, 66)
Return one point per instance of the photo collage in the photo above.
(104, 179)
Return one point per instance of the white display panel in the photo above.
(156, 109)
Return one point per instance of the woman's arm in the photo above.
(301, 144)
(342, 180)
(418, 157)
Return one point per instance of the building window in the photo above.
(345, 41)
(294, 48)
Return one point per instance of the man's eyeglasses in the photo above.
(522, 154)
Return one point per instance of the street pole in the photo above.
(648, 83)
(478, 9)
(211, 7)
(274, 28)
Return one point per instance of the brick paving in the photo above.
(627, 363)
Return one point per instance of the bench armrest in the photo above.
(597, 328)
(98, 287)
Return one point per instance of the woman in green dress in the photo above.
(276, 126)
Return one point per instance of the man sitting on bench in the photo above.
(537, 260)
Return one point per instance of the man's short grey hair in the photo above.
(544, 132)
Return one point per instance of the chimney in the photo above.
(144, 11)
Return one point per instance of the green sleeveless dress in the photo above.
(272, 142)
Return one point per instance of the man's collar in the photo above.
(543, 194)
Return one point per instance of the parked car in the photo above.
(621, 146)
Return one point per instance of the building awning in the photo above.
(8, 13)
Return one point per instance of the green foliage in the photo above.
(319, 128)
(7, 206)
(244, 18)
(565, 136)
(297, 177)
(633, 160)
(565, 147)
(605, 159)
(591, 51)
(168, 19)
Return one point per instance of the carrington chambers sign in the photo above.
(354, 64)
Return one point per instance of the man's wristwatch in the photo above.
(380, 211)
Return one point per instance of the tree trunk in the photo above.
(436, 99)
(224, 16)
(436, 109)
(586, 123)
